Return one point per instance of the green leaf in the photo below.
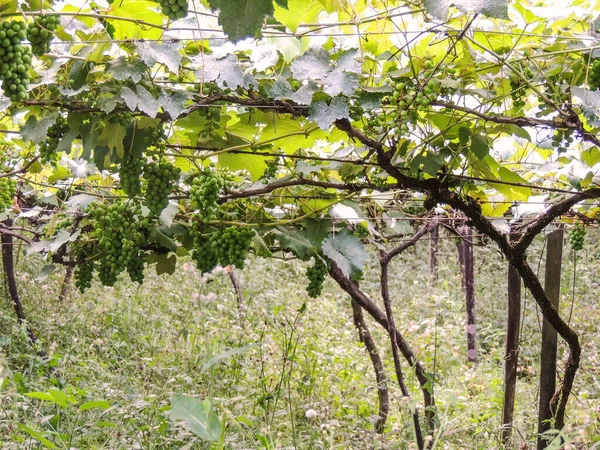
(242, 18)
(112, 136)
(225, 71)
(141, 99)
(492, 8)
(296, 12)
(123, 69)
(198, 416)
(295, 242)
(166, 53)
(165, 263)
(325, 115)
(79, 73)
(479, 146)
(94, 404)
(347, 251)
(36, 130)
(228, 354)
(313, 65)
(36, 435)
(143, 10)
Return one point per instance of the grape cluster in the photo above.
(15, 60)
(594, 74)
(316, 276)
(159, 177)
(561, 140)
(228, 246)
(517, 86)
(8, 188)
(212, 116)
(129, 173)
(205, 192)
(120, 231)
(40, 32)
(53, 136)
(84, 273)
(576, 237)
(231, 245)
(174, 9)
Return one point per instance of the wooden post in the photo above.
(511, 355)
(469, 277)
(549, 337)
(433, 252)
(460, 247)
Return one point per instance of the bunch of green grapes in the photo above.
(203, 252)
(156, 141)
(576, 237)
(205, 192)
(594, 74)
(8, 189)
(15, 60)
(561, 140)
(212, 115)
(130, 172)
(174, 9)
(518, 87)
(316, 276)
(159, 184)
(231, 245)
(40, 32)
(84, 274)
(120, 231)
(53, 136)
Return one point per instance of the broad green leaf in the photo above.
(492, 8)
(123, 69)
(143, 10)
(479, 146)
(313, 65)
(225, 72)
(297, 12)
(242, 18)
(295, 242)
(166, 53)
(112, 136)
(36, 130)
(198, 416)
(165, 263)
(141, 99)
(228, 354)
(325, 115)
(347, 251)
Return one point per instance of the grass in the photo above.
(135, 347)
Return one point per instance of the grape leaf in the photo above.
(313, 65)
(36, 130)
(324, 115)
(225, 71)
(296, 242)
(347, 251)
(173, 104)
(112, 136)
(242, 18)
(122, 69)
(492, 8)
(166, 53)
(142, 100)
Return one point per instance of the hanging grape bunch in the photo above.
(120, 231)
(203, 252)
(174, 9)
(8, 189)
(561, 140)
(576, 237)
(316, 276)
(130, 170)
(518, 85)
(53, 136)
(232, 244)
(15, 60)
(84, 271)
(40, 32)
(594, 74)
(159, 177)
(205, 192)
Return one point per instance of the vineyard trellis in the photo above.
(134, 134)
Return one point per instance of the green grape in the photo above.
(130, 172)
(205, 192)
(40, 32)
(576, 237)
(15, 60)
(594, 74)
(8, 189)
(203, 251)
(316, 276)
(159, 184)
(231, 245)
(120, 232)
(174, 9)
(84, 273)
(53, 136)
